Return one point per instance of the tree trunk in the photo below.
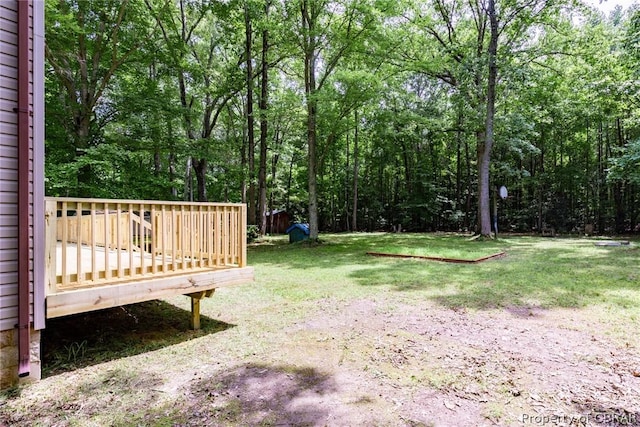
(600, 182)
(310, 92)
(264, 92)
(618, 191)
(311, 161)
(541, 182)
(172, 175)
(157, 165)
(289, 181)
(347, 219)
(354, 219)
(172, 160)
(85, 173)
(200, 167)
(467, 210)
(243, 167)
(484, 150)
(274, 164)
(188, 181)
(251, 214)
(459, 162)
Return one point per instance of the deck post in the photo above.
(51, 246)
(243, 236)
(195, 313)
(195, 307)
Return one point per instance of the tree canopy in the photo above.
(351, 115)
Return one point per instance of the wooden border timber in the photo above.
(612, 243)
(441, 259)
(82, 300)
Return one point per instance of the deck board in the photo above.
(108, 269)
(86, 256)
(100, 297)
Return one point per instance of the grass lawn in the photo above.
(537, 271)
(432, 246)
(328, 335)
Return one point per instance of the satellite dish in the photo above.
(503, 192)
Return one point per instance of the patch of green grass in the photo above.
(494, 411)
(441, 379)
(538, 272)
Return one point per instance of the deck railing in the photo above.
(96, 242)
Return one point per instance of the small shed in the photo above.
(277, 221)
(298, 232)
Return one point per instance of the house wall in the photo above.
(9, 187)
(8, 165)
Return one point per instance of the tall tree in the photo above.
(264, 121)
(484, 149)
(203, 50)
(472, 41)
(251, 142)
(87, 42)
(327, 32)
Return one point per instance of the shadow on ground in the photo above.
(114, 397)
(248, 394)
(86, 339)
(255, 394)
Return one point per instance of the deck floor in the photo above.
(103, 258)
(100, 266)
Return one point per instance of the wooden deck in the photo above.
(107, 253)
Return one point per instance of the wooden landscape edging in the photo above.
(441, 259)
(612, 243)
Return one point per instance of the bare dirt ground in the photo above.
(419, 365)
(383, 360)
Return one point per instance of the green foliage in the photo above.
(253, 232)
(76, 351)
(626, 167)
(399, 109)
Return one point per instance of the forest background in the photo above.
(351, 114)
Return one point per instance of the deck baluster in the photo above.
(190, 238)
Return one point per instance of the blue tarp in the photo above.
(303, 227)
